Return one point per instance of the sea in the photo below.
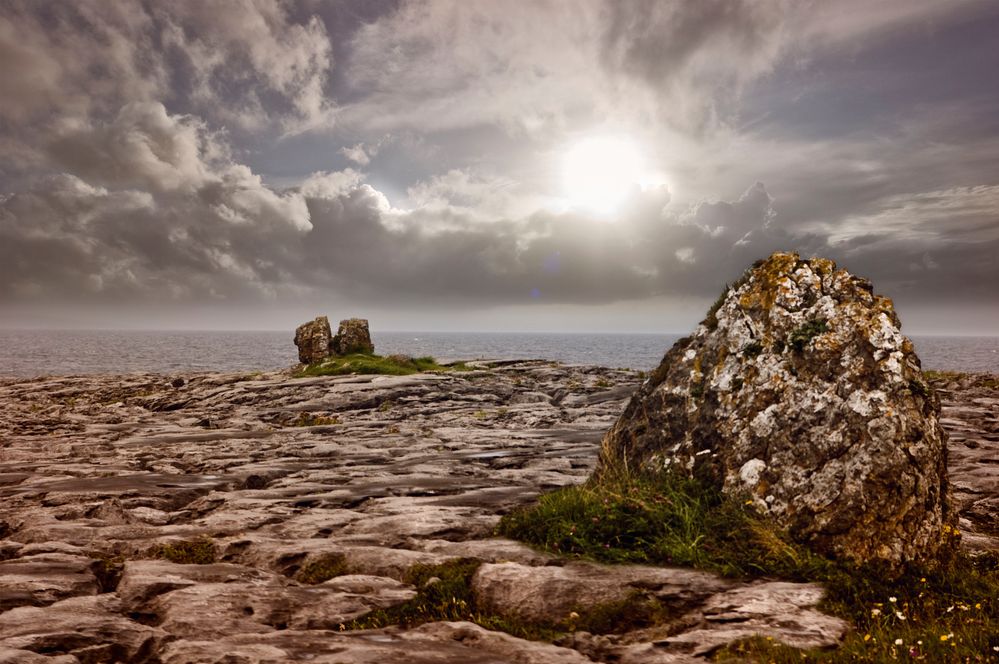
(26, 353)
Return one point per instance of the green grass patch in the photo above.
(933, 375)
(200, 551)
(661, 520)
(444, 592)
(392, 365)
(322, 569)
(950, 613)
(800, 337)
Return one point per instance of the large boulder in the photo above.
(314, 340)
(352, 337)
(800, 392)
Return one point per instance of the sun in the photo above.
(600, 172)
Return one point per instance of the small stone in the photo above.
(177, 382)
(314, 340)
(352, 337)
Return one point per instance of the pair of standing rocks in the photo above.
(316, 341)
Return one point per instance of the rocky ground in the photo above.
(371, 475)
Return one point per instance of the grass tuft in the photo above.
(322, 569)
(665, 519)
(200, 551)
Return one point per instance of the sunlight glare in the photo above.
(600, 172)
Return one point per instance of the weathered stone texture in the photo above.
(314, 340)
(352, 337)
(800, 391)
(98, 469)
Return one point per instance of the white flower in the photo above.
(892, 600)
(898, 642)
(875, 612)
(898, 614)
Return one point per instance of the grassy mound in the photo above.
(393, 365)
(945, 614)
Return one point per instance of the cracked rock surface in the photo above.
(372, 474)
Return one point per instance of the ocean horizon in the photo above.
(27, 353)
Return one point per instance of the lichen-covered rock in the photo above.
(314, 340)
(799, 391)
(352, 337)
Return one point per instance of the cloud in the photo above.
(156, 209)
(357, 154)
(195, 152)
(244, 62)
(443, 65)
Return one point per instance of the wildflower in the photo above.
(978, 605)
(898, 642)
(875, 612)
(922, 580)
(950, 608)
(573, 615)
(867, 637)
(749, 502)
(899, 615)
(892, 600)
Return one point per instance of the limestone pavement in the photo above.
(377, 472)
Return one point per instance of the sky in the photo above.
(525, 165)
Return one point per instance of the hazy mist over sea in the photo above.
(59, 352)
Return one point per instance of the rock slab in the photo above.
(800, 391)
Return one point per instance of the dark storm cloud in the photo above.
(407, 152)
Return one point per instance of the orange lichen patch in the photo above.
(768, 280)
(884, 304)
(822, 266)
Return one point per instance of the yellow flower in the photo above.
(867, 637)
(978, 605)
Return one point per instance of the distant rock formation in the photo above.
(316, 342)
(313, 340)
(352, 337)
(799, 391)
